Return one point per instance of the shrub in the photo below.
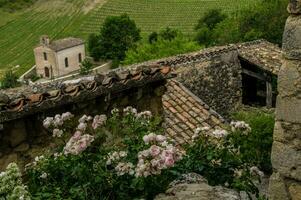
(153, 37)
(124, 156)
(11, 186)
(85, 67)
(256, 148)
(168, 34)
(86, 166)
(10, 80)
(161, 48)
(203, 36)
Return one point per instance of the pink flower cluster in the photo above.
(99, 120)
(240, 126)
(78, 143)
(56, 122)
(133, 111)
(151, 161)
(123, 168)
(161, 155)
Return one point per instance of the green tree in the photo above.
(117, 35)
(211, 19)
(168, 34)
(203, 36)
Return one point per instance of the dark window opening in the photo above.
(45, 55)
(80, 57)
(66, 62)
(259, 88)
(47, 73)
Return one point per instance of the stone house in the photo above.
(59, 57)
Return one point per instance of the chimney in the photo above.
(44, 40)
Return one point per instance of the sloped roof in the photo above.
(65, 43)
(19, 102)
(262, 53)
(184, 112)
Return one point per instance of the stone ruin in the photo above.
(285, 183)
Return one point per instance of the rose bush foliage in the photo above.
(126, 155)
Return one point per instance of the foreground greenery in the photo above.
(124, 156)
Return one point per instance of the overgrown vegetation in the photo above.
(256, 148)
(167, 43)
(264, 20)
(9, 80)
(85, 67)
(125, 156)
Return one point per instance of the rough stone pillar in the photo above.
(285, 183)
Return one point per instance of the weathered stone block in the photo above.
(22, 147)
(288, 109)
(285, 132)
(295, 191)
(289, 82)
(277, 188)
(18, 134)
(286, 160)
(294, 7)
(291, 38)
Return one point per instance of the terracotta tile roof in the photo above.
(23, 101)
(262, 53)
(65, 43)
(184, 112)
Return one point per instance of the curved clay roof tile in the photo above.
(53, 95)
(165, 70)
(72, 90)
(16, 105)
(35, 98)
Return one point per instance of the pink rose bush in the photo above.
(78, 143)
(158, 154)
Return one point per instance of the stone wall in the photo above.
(285, 183)
(23, 139)
(216, 81)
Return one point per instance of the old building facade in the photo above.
(58, 58)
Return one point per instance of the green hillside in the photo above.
(20, 32)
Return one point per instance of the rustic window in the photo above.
(47, 73)
(66, 62)
(45, 55)
(80, 57)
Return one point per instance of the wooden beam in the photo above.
(269, 94)
(254, 74)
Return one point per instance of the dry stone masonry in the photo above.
(285, 183)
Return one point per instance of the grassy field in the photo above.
(20, 32)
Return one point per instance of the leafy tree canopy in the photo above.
(117, 35)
